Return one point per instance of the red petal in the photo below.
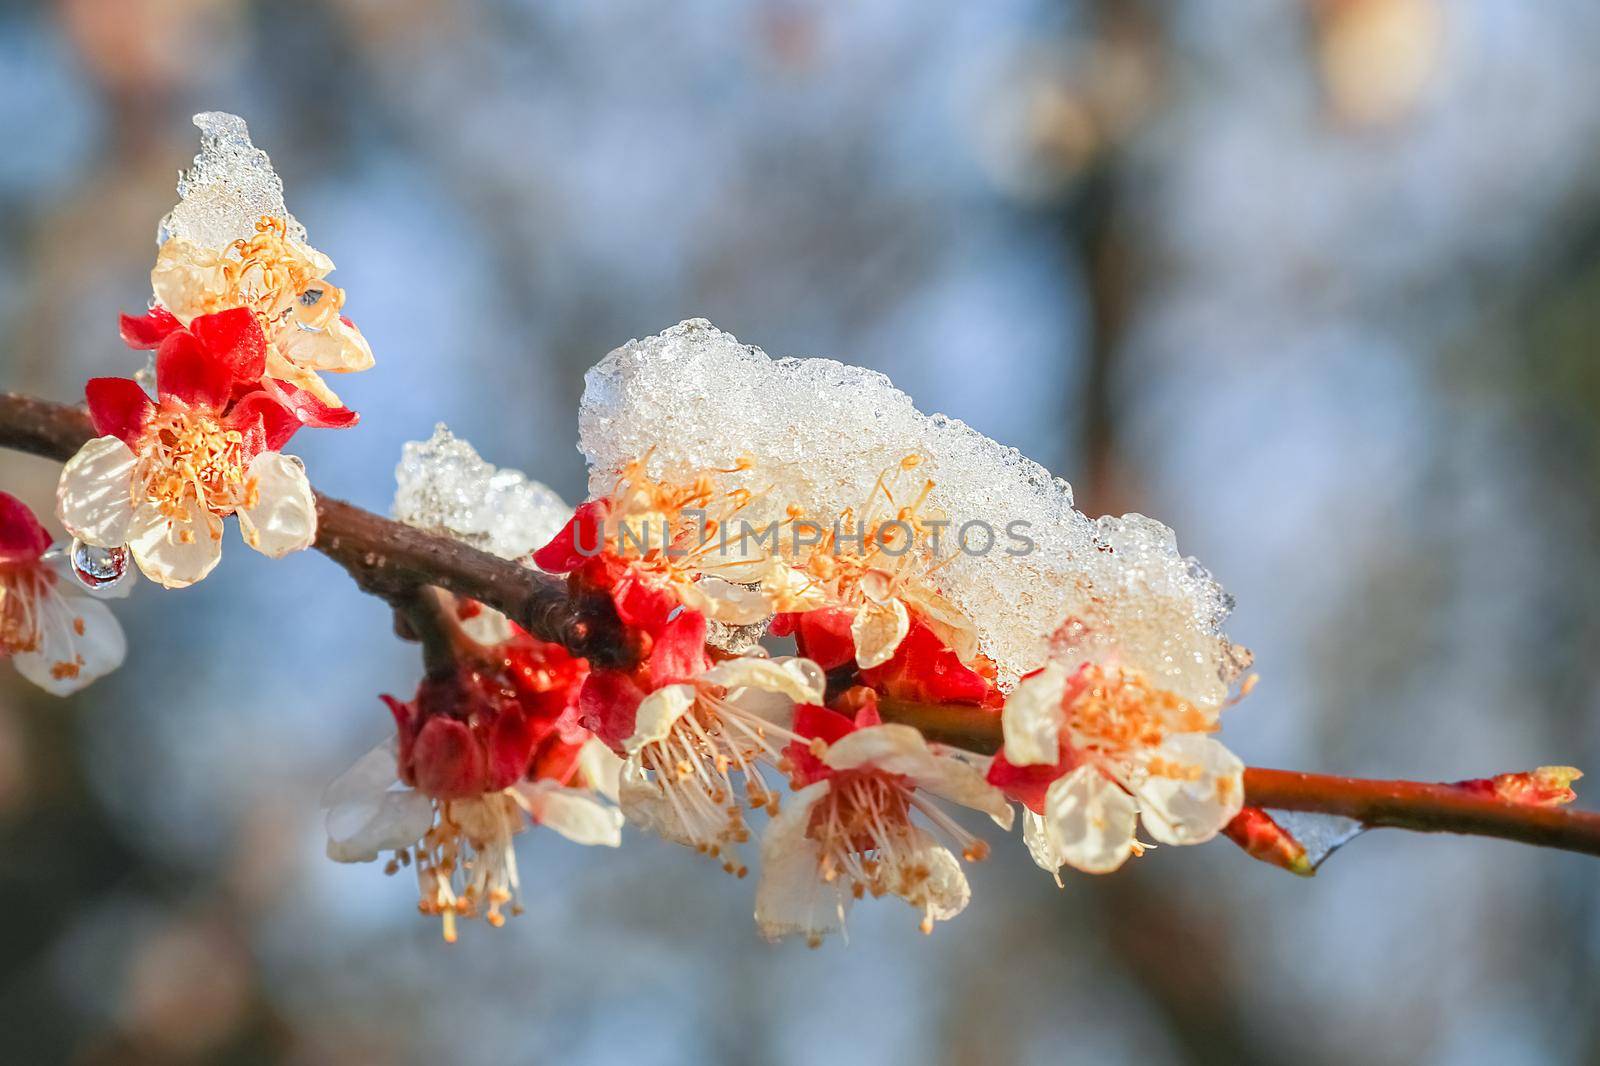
(511, 748)
(146, 332)
(579, 540)
(819, 723)
(824, 637)
(234, 338)
(644, 605)
(22, 538)
(189, 371)
(608, 705)
(1026, 784)
(118, 407)
(924, 669)
(447, 761)
(679, 651)
(264, 419)
(405, 724)
(557, 759)
(312, 412)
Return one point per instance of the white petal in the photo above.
(284, 517)
(600, 768)
(185, 275)
(724, 601)
(656, 715)
(1192, 809)
(1036, 835)
(1090, 820)
(878, 630)
(801, 680)
(646, 807)
(368, 778)
(176, 554)
(79, 640)
(792, 898)
(572, 812)
(894, 748)
(358, 832)
(368, 813)
(93, 498)
(953, 779)
(943, 893)
(1032, 718)
(326, 348)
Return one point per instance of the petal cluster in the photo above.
(483, 751)
(168, 469)
(1093, 752)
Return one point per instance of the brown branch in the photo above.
(1425, 808)
(386, 558)
(395, 561)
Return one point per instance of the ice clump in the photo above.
(444, 486)
(231, 185)
(1320, 834)
(821, 432)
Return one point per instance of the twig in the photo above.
(395, 562)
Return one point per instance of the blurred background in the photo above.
(1316, 283)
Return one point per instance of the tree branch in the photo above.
(395, 561)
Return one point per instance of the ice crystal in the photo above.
(443, 485)
(1320, 834)
(820, 433)
(231, 186)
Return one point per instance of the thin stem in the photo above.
(1424, 808)
(396, 562)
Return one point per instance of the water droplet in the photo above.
(98, 569)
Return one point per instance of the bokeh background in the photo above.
(1316, 282)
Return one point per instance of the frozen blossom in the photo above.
(229, 188)
(819, 434)
(442, 484)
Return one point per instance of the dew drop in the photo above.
(98, 569)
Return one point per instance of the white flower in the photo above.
(849, 832)
(689, 740)
(1126, 752)
(462, 848)
(283, 281)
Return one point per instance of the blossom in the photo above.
(1091, 752)
(847, 831)
(59, 636)
(483, 751)
(873, 567)
(166, 472)
(282, 281)
(685, 741)
(655, 545)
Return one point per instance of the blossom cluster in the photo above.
(713, 724)
(771, 538)
(241, 325)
